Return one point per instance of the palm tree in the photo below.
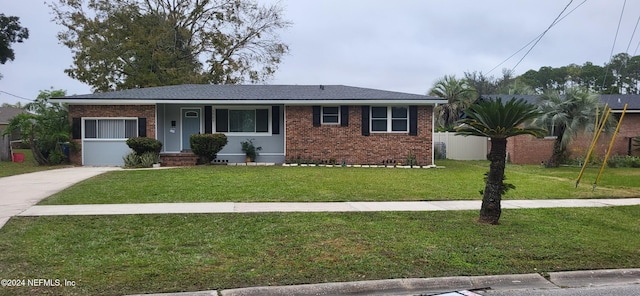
(498, 121)
(459, 95)
(566, 116)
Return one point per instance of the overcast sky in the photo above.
(401, 45)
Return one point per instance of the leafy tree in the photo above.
(566, 116)
(483, 84)
(17, 105)
(459, 96)
(592, 78)
(507, 84)
(44, 127)
(589, 76)
(10, 32)
(140, 43)
(498, 121)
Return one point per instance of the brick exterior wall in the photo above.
(146, 111)
(526, 149)
(178, 159)
(325, 142)
(529, 150)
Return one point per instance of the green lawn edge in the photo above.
(116, 255)
(457, 180)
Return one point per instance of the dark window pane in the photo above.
(130, 128)
(378, 112)
(222, 120)
(330, 110)
(330, 114)
(378, 125)
(242, 121)
(90, 129)
(330, 119)
(399, 112)
(399, 125)
(262, 120)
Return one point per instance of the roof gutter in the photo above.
(243, 102)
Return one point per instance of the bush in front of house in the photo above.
(146, 152)
(140, 145)
(145, 160)
(623, 161)
(207, 146)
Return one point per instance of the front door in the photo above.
(190, 126)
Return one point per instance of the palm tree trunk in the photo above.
(558, 151)
(492, 195)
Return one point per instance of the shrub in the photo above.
(132, 160)
(623, 161)
(142, 144)
(249, 149)
(56, 157)
(207, 146)
(147, 159)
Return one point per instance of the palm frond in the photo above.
(494, 119)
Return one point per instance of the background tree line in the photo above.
(619, 76)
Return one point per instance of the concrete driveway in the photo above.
(20, 192)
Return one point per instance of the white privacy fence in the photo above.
(451, 146)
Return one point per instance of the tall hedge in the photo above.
(142, 144)
(207, 146)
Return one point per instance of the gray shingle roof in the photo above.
(616, 102)
(252, 93)
(6, 113)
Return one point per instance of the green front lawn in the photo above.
(116, 255)
(8, 168)
(459, 180)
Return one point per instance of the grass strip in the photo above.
(115, 255)
(460, 180)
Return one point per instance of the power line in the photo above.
(632, 35)
(542, 35)
(19, 97)
(604, 81)
(539, 36)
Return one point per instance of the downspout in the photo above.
(284, 130)
(433, 129)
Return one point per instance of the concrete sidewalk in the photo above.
(20, 192)
(265, 207)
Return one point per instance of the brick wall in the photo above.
(146, 111)
(325, 142)
(529, 150)
(526, 149)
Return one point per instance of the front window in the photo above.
(330, 115)
(242, 120)
(110, 128)
(389, 119)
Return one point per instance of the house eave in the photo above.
(247, 102)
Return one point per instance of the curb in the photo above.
(416, 286)
(402, 286)
(594, 278)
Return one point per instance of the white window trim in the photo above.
(105, 118)
(389, 120)
(330, 123)
(244, 134)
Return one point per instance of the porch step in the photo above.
(178, 159)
